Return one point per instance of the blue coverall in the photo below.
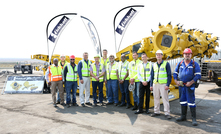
(186, 74)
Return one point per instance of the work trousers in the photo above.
(125, 92)
(54, 84)
(142, 90)
(159, 89)
(71, 85)
(98, 84)
(112, 91)
(187, 96)
(136, 93)
(85, 86)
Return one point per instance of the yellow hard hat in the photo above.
(98, 56)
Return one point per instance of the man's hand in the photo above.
(132, 81)
(188, 84)
(49, 83)
(177, 82)
(82, 81)
(63, 82)
(97, 78)
(121, 81)
(105, 82)
(151, 88)
(144, 83)
(166, 87)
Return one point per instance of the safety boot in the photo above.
(193, 112)
(183, 114)
(135, 106)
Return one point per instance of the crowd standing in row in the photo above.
(141, 75)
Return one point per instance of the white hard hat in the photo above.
(131, 87)
(62, 56)
(159, 52)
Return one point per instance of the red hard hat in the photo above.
(187, 51)
(72, 57)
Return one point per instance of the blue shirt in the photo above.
(169, 76)
(80, 67)
(186, 73)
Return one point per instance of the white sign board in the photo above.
(24, 84)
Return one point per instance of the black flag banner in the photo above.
(123, 23)
(63, 21)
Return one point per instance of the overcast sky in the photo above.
(23, 23)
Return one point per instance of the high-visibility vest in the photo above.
(133, 65)
(122, 69)
(56, 73)
(71, 75)
(65, 64)
(85, 68)
(112, 75)
(104, 63)
(145, 72)
(101, 79)
(160, 74)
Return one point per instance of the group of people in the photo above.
(140, 76)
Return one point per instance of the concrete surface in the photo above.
(34, 113)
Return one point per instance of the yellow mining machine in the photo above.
(171, 40)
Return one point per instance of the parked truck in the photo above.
(23, 67)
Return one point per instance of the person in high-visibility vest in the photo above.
(104, 60)
(134, 79)
(161, 79)
(112, 82)
(188, 72)
(97, 72)
(122, 76)
(84, 76)
(144, 71)
(70, 79)
(55, 72)
(61, 63)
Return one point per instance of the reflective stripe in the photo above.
(162, 78)
(162, 73)
(191, 104)
(176, 72)
(198, 73)
(185, 102)
(190, 67)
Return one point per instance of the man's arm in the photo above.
(46, 75)
(65, 73)
(138, 74)
(169, 77)
(79, 70)
(197, 72)
(152, 77)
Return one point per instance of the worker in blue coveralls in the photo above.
(186, 74)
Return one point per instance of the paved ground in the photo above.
(34, 113)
